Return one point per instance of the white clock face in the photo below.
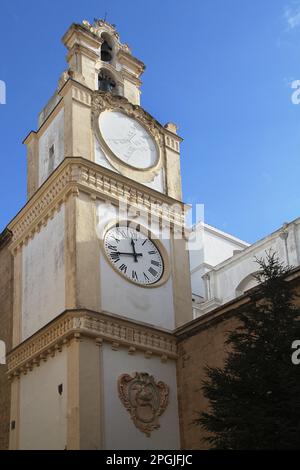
(134, 255)
(127, 139)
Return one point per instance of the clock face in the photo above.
(134, 255)
(128, 139)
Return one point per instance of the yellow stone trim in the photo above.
(105, 102)
(101, 326)
(77, 33)
(173, 143)
(131, 78)
(81, 95)
(76, 173)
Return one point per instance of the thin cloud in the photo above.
(292, 15)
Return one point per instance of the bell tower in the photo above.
(101, 267)
(98, 60)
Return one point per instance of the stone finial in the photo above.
(172, 127)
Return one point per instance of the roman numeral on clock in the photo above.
(123, 268)
(152, 271)
(112, 247)
(155, 263)
(115, 256)
(135, 276)
(123, 233)
(115, 238)
(151, 252)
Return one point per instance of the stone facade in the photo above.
(6, 283)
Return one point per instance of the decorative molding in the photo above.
(105, 100)
(80, 34)
(128, 61)
(111, 70)
(102, 327)
(131, 78)
(81, 95)
(83, 50)
(77, 174)
(173, 143)
(144, 399)
(99, 26)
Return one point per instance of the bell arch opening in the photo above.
(106, 82)
(107, 49)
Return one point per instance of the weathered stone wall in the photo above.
(6, 299)
(204, 347)
(202, 343)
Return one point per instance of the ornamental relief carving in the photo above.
(144, 399)
(105, 101)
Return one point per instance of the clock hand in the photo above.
(129, 254)
(134, 252)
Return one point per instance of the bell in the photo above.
(106, 83)
(106, 55)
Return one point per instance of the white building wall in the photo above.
(43, 277)
(219, 248)
(43, 411)
(234, 276)
(212, 246)
(120, 431)
(53, 135)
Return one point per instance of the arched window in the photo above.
(106, 52)
(106, 82)
(245, 284)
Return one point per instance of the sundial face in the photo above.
(128, 140)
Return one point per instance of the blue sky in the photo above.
(221, 69)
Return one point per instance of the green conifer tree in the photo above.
(255, 398)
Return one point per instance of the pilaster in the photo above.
(78, 131)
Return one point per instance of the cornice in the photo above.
(81, 48)
(77, 174)
(229, 309)
(76, 324)
(76, 31)
(131, 78)
(126, 58)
